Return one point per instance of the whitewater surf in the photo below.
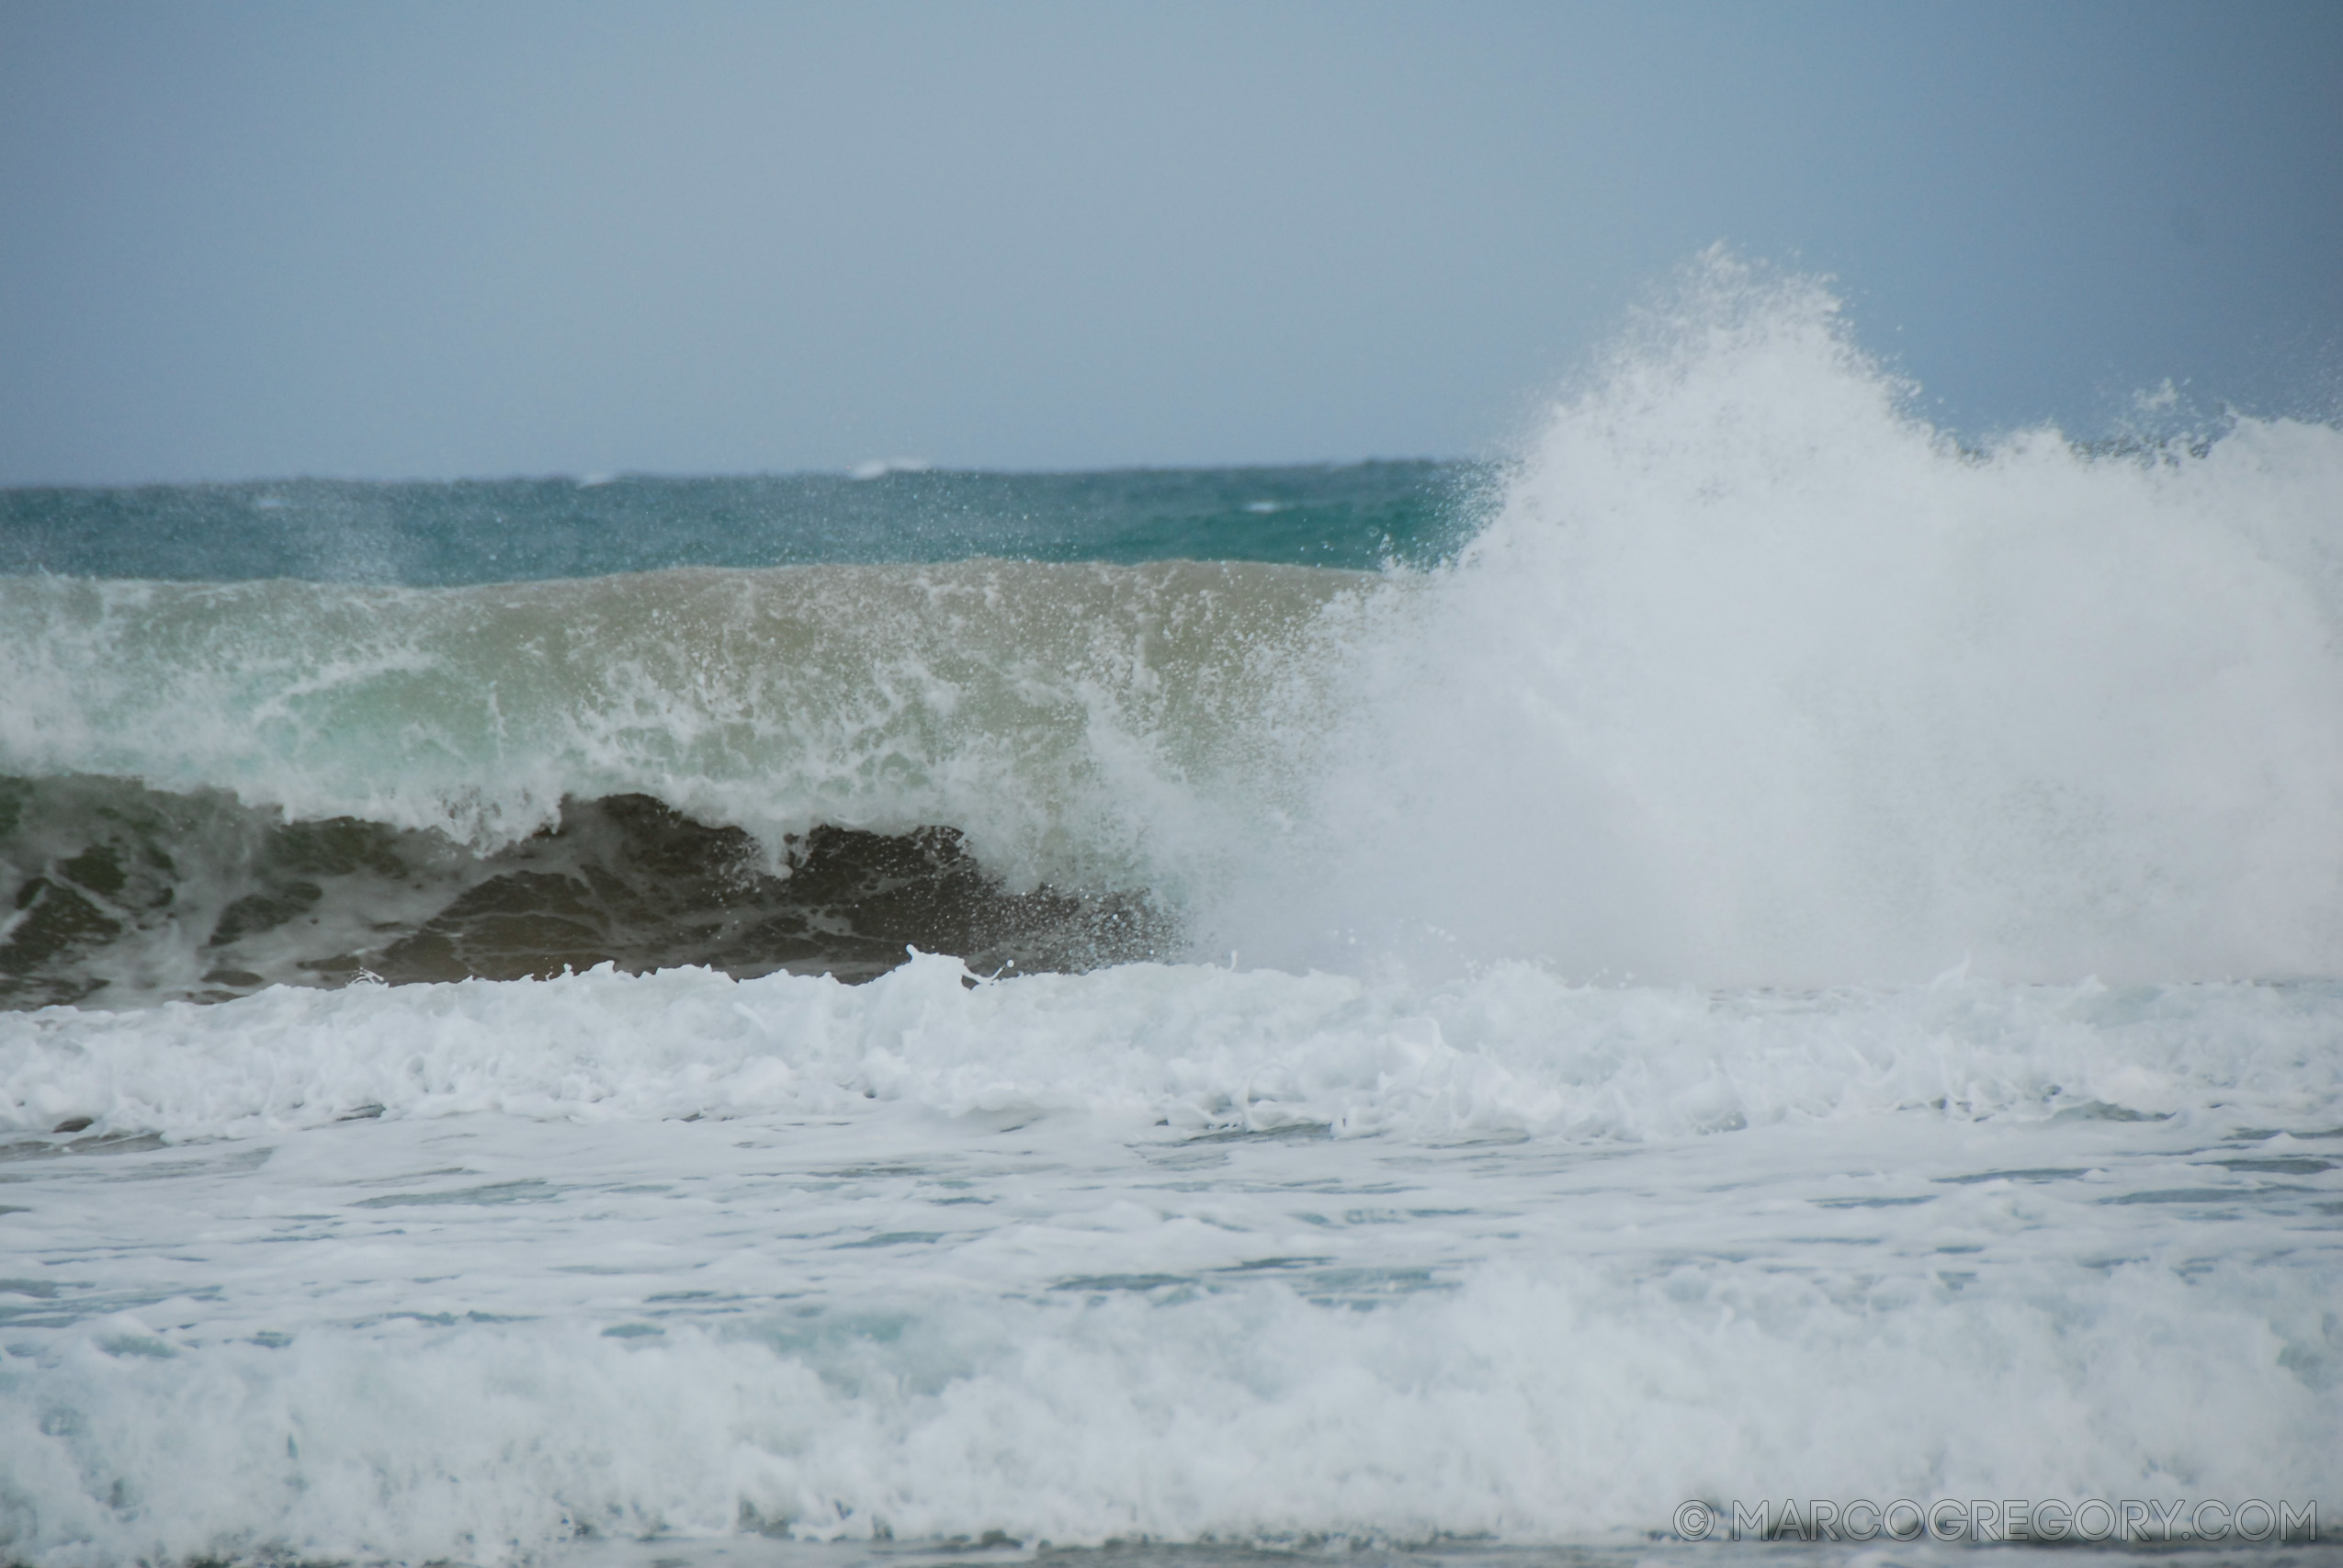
(1753, 954)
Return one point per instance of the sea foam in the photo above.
(1564, 1403)
(1196, 1048)
(1162, 1253)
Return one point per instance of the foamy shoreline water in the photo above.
(1048, 1258)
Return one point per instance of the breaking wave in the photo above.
(1750, 676)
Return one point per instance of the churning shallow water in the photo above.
(1760, 956)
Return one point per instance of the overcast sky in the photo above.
(241, 239)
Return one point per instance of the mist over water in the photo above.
(1755, 677)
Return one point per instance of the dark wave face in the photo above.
(121, 894)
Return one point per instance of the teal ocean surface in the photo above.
(1358, 515)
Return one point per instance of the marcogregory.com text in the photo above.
(1990, 1520)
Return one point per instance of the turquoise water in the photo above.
(1357, 515)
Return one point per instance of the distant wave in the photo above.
(446, 534)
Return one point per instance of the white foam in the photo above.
(1513, 1050)
(1756, 677)
(926, 1264)
(1568, 1405)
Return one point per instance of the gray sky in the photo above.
(434, 239)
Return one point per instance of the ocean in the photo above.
(1751, 982)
